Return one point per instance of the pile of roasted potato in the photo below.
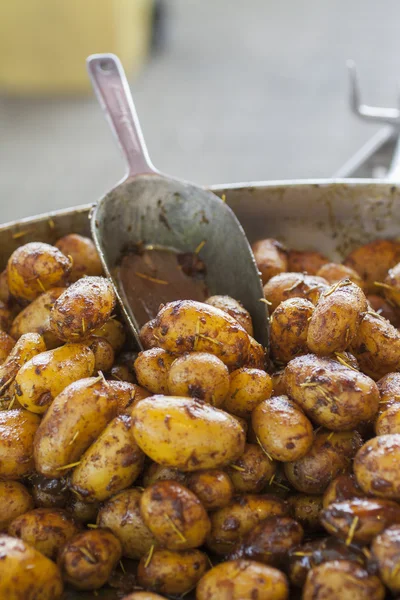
(203, 466)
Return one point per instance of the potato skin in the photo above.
(331, 394)
(282, 428)
(88, 559)
(155, 472)
(17, 431)
(186, 433)
(7, 343)
(257, 357)
(306, 510)
(377, 466)
(304, 261)
(174, 515)
(252, 471)
(25, 574)
(293, 285)
(235, 309)
(342, 579)
(343, 487)
(289, 329)
(84, 307)
(377, 346)
(47, 374)
(372, 261)
(213, 488)
(386, 551)
(74, 420)
(26, 347)
(34, 268)
(389, 421)
(46, 529)
(239, 579)
(171, 572)
(85, 258)
(152, 368)
(15, 500)
(126, 395)
(389, 390)
(114, 332)
(334, 272)
(35, 318)
(247, 388)
(103, 353)
(110, 464)
(271, 258)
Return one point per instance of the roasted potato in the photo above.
(384, 309)
(386, 552)
(83, 254)
(257, 357)
(389, 390)
(372, 261)
(252, 470)
(213, 488)
(388, 421)
(155, 472)
(152, 368)
(113, 331)
(235, 309)
(50, 493)
(282, 429)
(293, 285)
(88, 559)
(306, 510)
(7, 343)
(15, 500)
(126, 395)
(186, 433)
(377, 466)
(83, 512)
(172, 572)
(25, 574)
(334, 272)
(247, 388)
(103, 353)
(35, 318)
(289, 329)
(27, 346)
(121, 514)
(343, 487)
(120, 372)
(17, 431)
(174, 515)
(271, 258)
(305, 261)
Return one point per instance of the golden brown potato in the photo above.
(304, 261)
(186, 433)
(46, 529)
(252, 470)
(388, 421)
(235, 309)
(330, 454)
(231, 523)
(82, 251)
(127, 395)
(377, 466)
(49, 493)
(199, 375)
(389, 390)
(47, 374)
(7, 343)
(240, 579)
(84, 307)
(35, 318)
(103, 353)
(27, 346)
(121, 514)
(83, 512)
(25, 574)
(157, 472)
(152, 368)
(247, 388)
(282, 429)
(114, 332)
(34, 268)
(110, 464)
(330, 393)
(306, 510)
(293, 285)
(172, 572)
(120, 372)
(74, 420)
(289, 329)
(88, 559)
(334, 272)
(174, 515)
(372, 261)
(257, 357)
(15, 500)
(386, 551)
(5, 295)
(343, 487)
(384, 309)
(271, 258)
(278, 383)
(188, 326)
(213, 488)
(17, 431)
(342, 579)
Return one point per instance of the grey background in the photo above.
(244, 90)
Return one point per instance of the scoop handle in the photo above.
(112, 90)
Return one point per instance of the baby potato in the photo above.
(84, 307)
(157, 472)
(289, 329)
(199, 375)
(330, 393)
(252, 470)
(83, 512)
(49, 493)
(257, 357)
(172, 572)
(377, 466)
(152, 368)
(384, 309)
(360, 519)
(386, 551)
(235, 309)
(174, 515)
(271, 258)
(7, 343)
(34, 268)
(114, 332)
(26, 348)
(279, 485)
(336, 318)
(25, 574)
(342, 579)
(343, 487)
(388, 421)
(47, 374)
(303, 261)
(334, 272)
(103, 353)
(231, 523)
(17, 431)
(110, 464)
(126, 395)
(82, 251)
(15, 500)
(35, 318)
(46, 529)
(187, 326)
(389, 390)
(372, 261)
(120, 372)
(121, 515)
(293, 285)
(186, 433)
(282, 429)
(88, 559)
(306, 510)
(270, 541)
(247, 388)
(73, 421)
(330, 454)
(213, 488)
(240, 579)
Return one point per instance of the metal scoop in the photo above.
(150, 208)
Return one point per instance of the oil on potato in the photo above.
(213, 487)
(15, 500)
(377, 466)
(252, 470)
(342, 579)
(247, 388)
(152, 369)
(289, 329)
(17, 431)
(35, 318)
(293, 285)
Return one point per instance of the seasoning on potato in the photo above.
(386, 551)
(293, 285)
(152, 369)
(271, 258)
(235, 309)
(82, 251)
(15, 500)
(377, 466)
(247, 388)
(289, 329)
(252, 470)
(17, 431)
(213, 487)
